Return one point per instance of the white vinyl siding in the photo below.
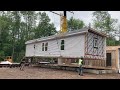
(73, 47)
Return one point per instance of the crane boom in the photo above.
(56, 13)
(64, 24)
(63, 21)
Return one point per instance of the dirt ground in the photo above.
(45, 73)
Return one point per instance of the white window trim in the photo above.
(34, 46)
(44, 46)
(62, 44)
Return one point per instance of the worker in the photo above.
(22, 64)
(29, 62)
(80, 66)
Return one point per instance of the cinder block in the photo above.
(72, 69)
(58, 67)
(103, 71)
(92, 71)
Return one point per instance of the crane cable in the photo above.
(56, 38)
(72, 23)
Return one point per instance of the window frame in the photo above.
(46, 46)
(62, 46)
(95, 42)
(43, 46)
(34, 46)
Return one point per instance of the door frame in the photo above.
(110, 62)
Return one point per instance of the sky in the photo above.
(86, 16)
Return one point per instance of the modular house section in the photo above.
(86, 42)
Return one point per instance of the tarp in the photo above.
(5, 62)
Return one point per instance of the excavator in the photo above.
(7, 62)
(7, 58)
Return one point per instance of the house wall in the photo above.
(113, 58)
(114, 50)
(95, 53)
(74, 47)
(29, 50)
(95, 57)
(117, 58)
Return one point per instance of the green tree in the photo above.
(4, 33)
(15, 31)
(44, 28)
(16, 27)
(30, 20)
(75, 24)
(117, 34)
(103, 22)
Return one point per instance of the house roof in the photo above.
(67, 34)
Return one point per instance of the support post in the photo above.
(60, 61)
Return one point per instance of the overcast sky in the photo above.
(86, 16)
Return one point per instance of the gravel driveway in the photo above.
(45, 73)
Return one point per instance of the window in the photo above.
(62, 44)
(34, 46)
(95, 42)
(46, 46)
(42, 46)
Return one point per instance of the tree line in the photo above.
(17, 27)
